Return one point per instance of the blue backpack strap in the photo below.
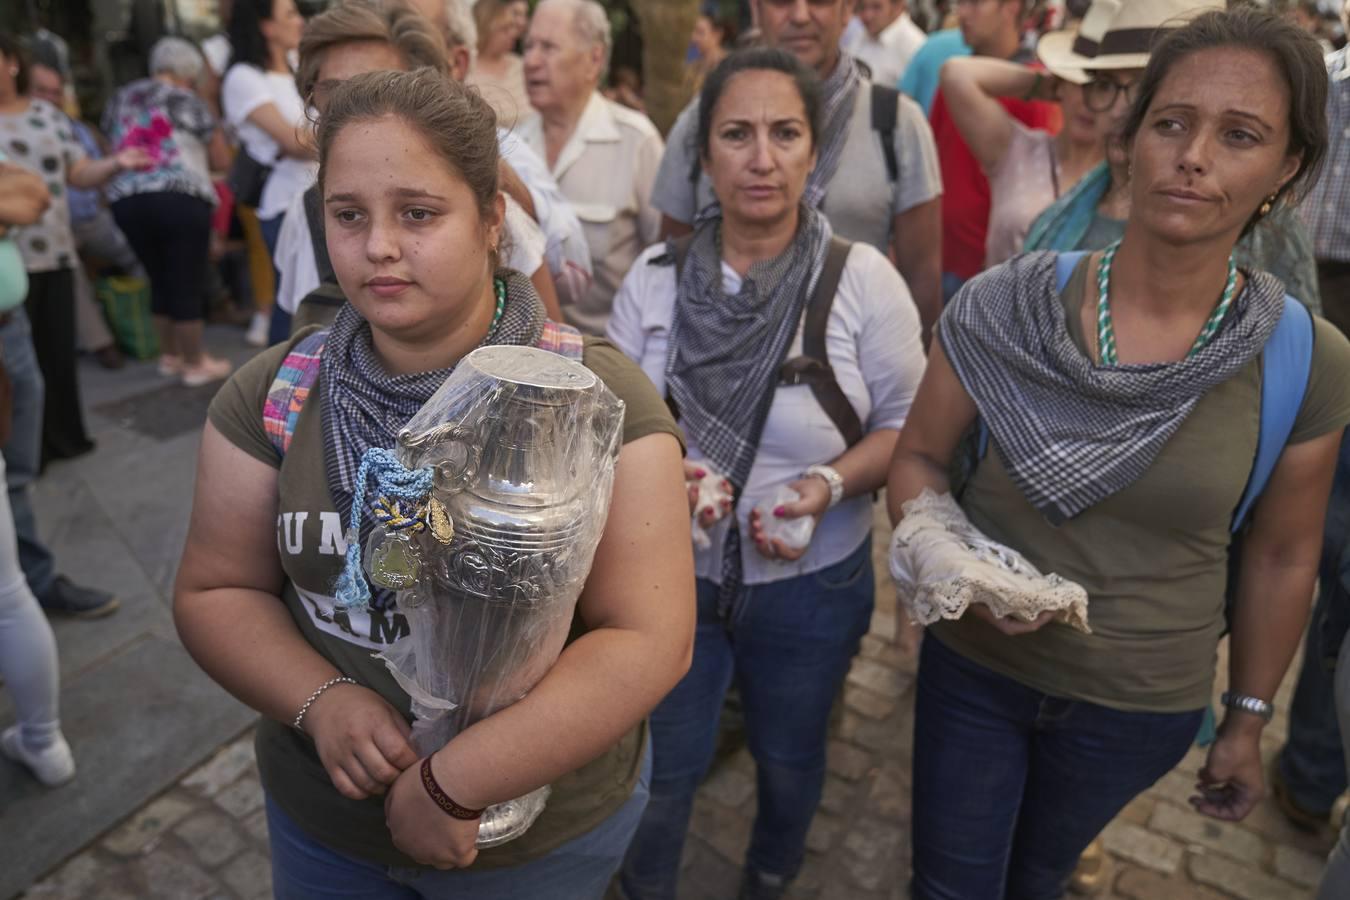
(1285, 365)
(1065, 263)
(290, 389)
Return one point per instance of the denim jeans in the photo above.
(1336, 879)
(1311, 763)
(580, 869)
(23, 453)
(279, 328)
(951, 283)
(1011, 785)
(789, 650)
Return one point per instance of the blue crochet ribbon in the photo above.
(393, 482)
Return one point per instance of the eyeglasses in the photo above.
(1100, 93)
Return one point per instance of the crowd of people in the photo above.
(1063, 262)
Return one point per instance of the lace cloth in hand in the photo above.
(941, 564)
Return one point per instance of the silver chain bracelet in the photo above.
(300, 716)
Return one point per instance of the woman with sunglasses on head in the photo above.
(1124, 397)
(1092, 214)
(1028, 169)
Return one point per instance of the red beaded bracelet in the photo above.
(442, 799)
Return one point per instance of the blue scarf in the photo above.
(1065, 222)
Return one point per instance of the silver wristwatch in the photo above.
(1247, 704)
(832, 478)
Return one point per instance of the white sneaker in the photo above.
(256, 336)
(53, 765)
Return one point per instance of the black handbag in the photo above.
(246, 178)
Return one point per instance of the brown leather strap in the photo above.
(813, 366)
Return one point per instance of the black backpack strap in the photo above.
(813, 366)
(885, 102)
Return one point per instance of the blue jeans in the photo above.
(951, 283)
(789, 650)
(581, 869)
(279, 328)
(1311, 763)
(1011, 785)
(23, 453)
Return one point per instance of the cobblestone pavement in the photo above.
(206, 837)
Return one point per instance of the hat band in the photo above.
(1116, 43)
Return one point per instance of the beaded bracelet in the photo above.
(300, 716)
(442, 799)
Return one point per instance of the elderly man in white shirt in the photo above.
(604, 156)
(887, 39)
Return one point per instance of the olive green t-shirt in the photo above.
(310, 540)
(1153, 557)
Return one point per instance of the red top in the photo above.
(965, 190)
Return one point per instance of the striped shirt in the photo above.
(1326, 208)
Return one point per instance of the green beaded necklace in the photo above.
(499, 287)
(1106, 333)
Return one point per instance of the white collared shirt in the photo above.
(874, 344)
(889, 53)
(606, 170)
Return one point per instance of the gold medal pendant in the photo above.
(438, 520)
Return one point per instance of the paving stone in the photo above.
(146, 827)
(242, 797)
(847, 761)
(888, 796)
(1137, 811)
(1238, 880)
(223, 769)
(84, 876)
(868, 839)
(1298, 866)
(838, 796)
(1143, 847)
(255, 823)
(824, 829)
(867, 703)
(875, 677)
(724, 830)
(728, 786)
(1267, 821)
(210, 836)
(164, 874)
(709, 874)
(882, 649)
(1141, 884)
(250, 876)
(1221, 837)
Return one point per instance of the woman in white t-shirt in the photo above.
(711, 319)
(262, 104)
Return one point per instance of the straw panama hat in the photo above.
(1118, 34)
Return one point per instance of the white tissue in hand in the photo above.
(942, 563)
(794, 534)
(710, 497)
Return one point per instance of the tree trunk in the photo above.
(666, 25)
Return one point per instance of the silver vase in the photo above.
(522, 443)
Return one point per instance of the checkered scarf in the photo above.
(725, 351)
(838, 95)
(364, 406)
(1072, 433)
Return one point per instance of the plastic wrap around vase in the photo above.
(523, 444)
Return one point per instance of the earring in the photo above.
(1267, 206)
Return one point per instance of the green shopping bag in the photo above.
(126, 303)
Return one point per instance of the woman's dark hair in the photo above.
(247, 43)
(757, 59)
(1296, 55)
(12, 49)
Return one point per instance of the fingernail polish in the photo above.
(699, 473)
(779, 511)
